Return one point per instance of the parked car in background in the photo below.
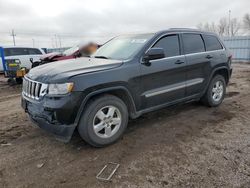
(81, 50)
(24, 54)
(128, 76)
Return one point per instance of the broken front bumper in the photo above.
(55, 115)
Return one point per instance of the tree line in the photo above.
(227, 26)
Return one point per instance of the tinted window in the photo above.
(193, 43)
(34, 51)
(21, 51)
(212, 43)
(15, 51)
(170, 45)
(6, 52)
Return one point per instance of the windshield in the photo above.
(71, 50)
(122, 47)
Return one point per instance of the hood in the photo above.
(67, 68)
(51, 55)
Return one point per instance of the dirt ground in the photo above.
(184, 146)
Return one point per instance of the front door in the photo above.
(164, 80)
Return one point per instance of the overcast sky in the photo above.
(45, 22)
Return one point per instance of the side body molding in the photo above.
(173, 87)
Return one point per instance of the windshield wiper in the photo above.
(101, 57)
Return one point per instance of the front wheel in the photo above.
(103, 121)
(215, 92)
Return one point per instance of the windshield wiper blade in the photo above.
(100, 56)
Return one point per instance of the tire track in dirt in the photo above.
(9, 97)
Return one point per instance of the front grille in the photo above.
(33, 89)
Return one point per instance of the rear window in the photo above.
(212, 43)
(193, 43)
(21, 51)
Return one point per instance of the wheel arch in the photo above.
(224, 71)
(118, 91)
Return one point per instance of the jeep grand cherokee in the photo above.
(128, 76)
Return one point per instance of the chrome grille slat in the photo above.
(29, 85)
(33, 89)
(39, 89)
(36, 90)
(24, 85)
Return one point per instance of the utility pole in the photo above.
(60, 41)
(13, 36)
(229, 22)
(33, 42)
(56, 41)
(52, 42)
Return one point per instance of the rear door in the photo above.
(215, 49)
(164, 80)
(198, 63)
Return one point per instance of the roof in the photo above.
(19, 47)
(182, 30)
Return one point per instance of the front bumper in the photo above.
(55, 115)
(61, 132)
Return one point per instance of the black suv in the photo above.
(128, 76)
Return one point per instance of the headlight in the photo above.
(60, 89)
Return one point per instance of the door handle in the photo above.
(178, 62)
(209, 57)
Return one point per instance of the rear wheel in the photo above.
(215, 92)
(103, 121)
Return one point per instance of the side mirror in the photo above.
(31, 60)
(152, 54)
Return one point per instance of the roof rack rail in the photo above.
(184, 28)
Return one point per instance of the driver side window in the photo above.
(170, 45)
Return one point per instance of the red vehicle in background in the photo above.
(75, 52)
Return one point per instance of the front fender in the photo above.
(133, 112)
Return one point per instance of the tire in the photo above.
(108, 129)
(11, 81)
(209, 98)
(19, 80)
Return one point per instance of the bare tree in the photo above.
(223, 27)
(207, 26)
(246, 22)
(211, 27)
(200, 26)
(234, 26)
